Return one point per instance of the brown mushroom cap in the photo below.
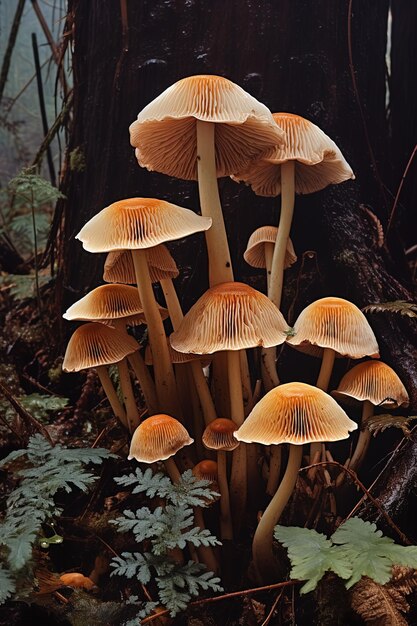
(110, 302)
(206, 470)
(137, 223)
(319, 162)
(164, 133)
(230, 316)
(337, 324)
(219, 435)
(254, 254)
(119, 268)
(93, 344)
(157, 438)
(374, 381)
(74, 579)
(177, 357)
(295, 413)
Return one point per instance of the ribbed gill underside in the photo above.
(158, 438)
(230, 316)
(93, 344)
(219, 435)
(374, 381)
(106, 302)
(254, 254)
(119, 268)
(138, 223)
(319, 162)
(337, 324)
(295, 413)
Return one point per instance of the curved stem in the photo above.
(172, 302)
(172, 470)
(132, 412)
(145, 381)
(284, 227)
(264, 561)
(164, 372)
(226, 526)
(238, 485)
(220, 264)
(323, 383)
(364, 437)
(111, 394)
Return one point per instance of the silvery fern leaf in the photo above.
(7, 585)
(131, 564)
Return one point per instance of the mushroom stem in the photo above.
(205, 553)
(172, 470)
(264, 561)
(220, 264)
(323, 383)
(364, 437)
(238, 488)
(172, 302)
(132, 412)
(284, 227)
(226, 526)
(274, 469)
(269, 253)
(111, 394)
(164, 372)
(269, 368)
(145, 381)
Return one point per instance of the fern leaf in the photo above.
(191, 491)
(409, 309)
(7, 585)
(131, 564)
(374, 604)
(20, 548)
(369, 553)
(311, 555)
(152, 484)
(378, 423)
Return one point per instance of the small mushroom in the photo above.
(77, 580)
(260, 249)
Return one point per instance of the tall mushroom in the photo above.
(374, 384)
(294, 413)
(137, 224)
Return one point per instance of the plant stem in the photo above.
(132, 412)
(364, 437)
(164, 373)
(111, 394)
(264, 561)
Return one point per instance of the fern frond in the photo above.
(374, 604)
(7, 585)
(409, 309)
(378, 423)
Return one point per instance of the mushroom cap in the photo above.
(93, 344)
(295, 413)
(319, 162)
(119, 268)
(254, 254)
(219, 435)
(157, 438)
(137, 223)
(374, 381)
(337, 324)
(164, 133)
(177, 357)
(110, 302)
(75, 579)
(206, 470)
(230, 316)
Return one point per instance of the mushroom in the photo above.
(231, 317)
(374, 384)
(137, 224)
(331, 327)
(219, 436)
(77, 580)
(119, 267)
(260, 249)
(293, 413)
(97, 345)
(201, 128)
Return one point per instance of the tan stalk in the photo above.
(364, 437)
(132, 412)
(323, 380)
(274, 469)
(164, 373)
(269, 253)
(264, 561)
(226, 526)
(238, 479)
(111, 394)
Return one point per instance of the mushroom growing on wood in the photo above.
(293, 413)
(374, 384)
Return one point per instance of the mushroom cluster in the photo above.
(197, 391)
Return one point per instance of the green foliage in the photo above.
(165, 528)
(42, 471)
(38, 405)
(31, 187)
(356, 549)
(23, 286)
